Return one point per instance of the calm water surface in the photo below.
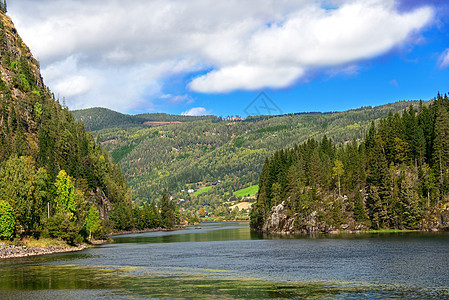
(226, 260)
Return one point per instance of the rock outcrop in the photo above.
(279, 221)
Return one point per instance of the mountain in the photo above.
(53, 172)
(98, 118)
(397, 177)
(216, 157)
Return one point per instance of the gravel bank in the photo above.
(11, 251)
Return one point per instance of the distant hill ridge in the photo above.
(98, 118)
(180, 156)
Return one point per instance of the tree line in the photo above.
(56, 179)
(396, 177)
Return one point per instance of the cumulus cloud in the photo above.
(122, 54)
(314, 37)
(245, 77)
(196, 111)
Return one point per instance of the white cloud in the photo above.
(245, 77)
(196, 111)
(444, 59)
(314, 37)
(123, 55)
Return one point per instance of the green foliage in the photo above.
(93, 220)
(7, 220)
(98, 118)
(119, 153)
(13, 65)
(122, 217)
(38, 109)
(65, 193)
(62, 226)
(166, 206)
(200, 151)
(238, 142)
(49, 164)
(25, 187)
(26, 85)
(397, 177)
(270, 129)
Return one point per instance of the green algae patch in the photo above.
(197, 286)
(162, 283)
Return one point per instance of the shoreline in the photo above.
(12, 251)
(341, 231)
(124, 232)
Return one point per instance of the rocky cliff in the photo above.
(38, 140)
(281, 221)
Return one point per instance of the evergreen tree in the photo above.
(441, 141)
(167, 211)
(409, 201)
(359, 207)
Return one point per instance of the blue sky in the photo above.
(191, 57)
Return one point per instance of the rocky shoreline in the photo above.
(12, 251)
(280, 222)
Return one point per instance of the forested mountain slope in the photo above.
(52, 172)
(198, 151)
(396, 177)
(97, 118)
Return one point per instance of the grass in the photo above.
(42, 242)
(203, 190)
(246, 192)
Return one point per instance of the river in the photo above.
(227, 261)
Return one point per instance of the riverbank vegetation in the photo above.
(396, 178)
(57, 182)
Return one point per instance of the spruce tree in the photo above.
(359, 207)
(441, 141)
(167, 212)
